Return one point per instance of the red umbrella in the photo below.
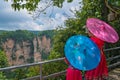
(102, 30)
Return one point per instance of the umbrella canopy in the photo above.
(102, 30)
(82, 53)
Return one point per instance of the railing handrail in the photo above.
(109, 49)
(48, 61)
(43, 62)
(31, 64)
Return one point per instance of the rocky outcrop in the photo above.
(26, 51)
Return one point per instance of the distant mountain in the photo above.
(35, 32)
(22, 46)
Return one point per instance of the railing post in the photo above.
(41, 72)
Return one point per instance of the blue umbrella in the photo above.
(82, 52)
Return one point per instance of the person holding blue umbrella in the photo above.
(81, 54)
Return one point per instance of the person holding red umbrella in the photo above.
(100, 32)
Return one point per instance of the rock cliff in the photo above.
(26, 51)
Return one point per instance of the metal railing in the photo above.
(54, 60)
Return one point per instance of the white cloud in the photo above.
(13, 20)
(60, 17)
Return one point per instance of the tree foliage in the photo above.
(75, 26)
(47, 33)
(114, 5)
(31, 5)
(33, 71)
(97, 9)
(3, 63)
(2, 76)
(3, 59)
(18, 35)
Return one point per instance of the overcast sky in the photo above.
(21, 20)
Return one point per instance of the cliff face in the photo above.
(26, 51)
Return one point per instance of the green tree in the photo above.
(31, 5)
(97, 9)
(18, 35)
(17, 74)
(3, 59)
(3, 63)
(75, 26)
(33, 71)
(2, 76)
